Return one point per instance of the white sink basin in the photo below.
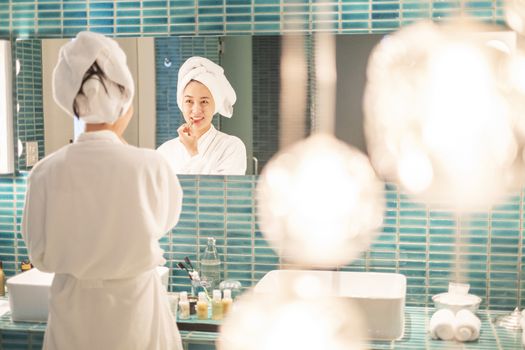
(379, 296)
(28, 294)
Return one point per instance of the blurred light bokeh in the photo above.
(320, 202)
(442, 109)
(515, 15)
(281, 321)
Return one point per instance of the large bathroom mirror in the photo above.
(251, 63)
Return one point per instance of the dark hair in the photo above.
(98, 73)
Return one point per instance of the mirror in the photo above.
(251, 65)
(6, 109)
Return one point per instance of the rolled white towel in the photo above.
(442, 324)
(467, 326)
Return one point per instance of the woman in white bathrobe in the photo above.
(203, 91)
(95, 210)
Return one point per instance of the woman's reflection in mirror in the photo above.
(202, 92)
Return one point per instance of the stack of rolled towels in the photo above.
(462, 326)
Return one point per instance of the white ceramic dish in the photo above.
(456, 302)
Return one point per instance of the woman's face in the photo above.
(198, 107)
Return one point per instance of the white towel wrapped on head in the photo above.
(75, 58)
(212, 75)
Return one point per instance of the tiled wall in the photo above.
(420, 243)
(266, 95)
(415, 241)
(12, 248)
(266, 74)
(28, 91)
(46, 18)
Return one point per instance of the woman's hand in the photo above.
(188, 138)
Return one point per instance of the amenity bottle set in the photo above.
(210, 275)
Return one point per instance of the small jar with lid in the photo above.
(227, 302)
(216, 305)
(202, 307)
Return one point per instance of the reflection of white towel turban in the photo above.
(74, 60)
(212, 75)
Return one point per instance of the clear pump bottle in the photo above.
(202, 307)
(184, 306)
(210, 266)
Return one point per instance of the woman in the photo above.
(203, 91)
(95, 210)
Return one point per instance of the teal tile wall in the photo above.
(12, 248)
(266, 59)
(39, 18)
(266, 56)
(28, 92)
(422, 244)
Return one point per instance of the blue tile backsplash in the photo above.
(415, 241)
(33, 18)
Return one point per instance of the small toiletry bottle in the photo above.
(202, 307)
(227, 302)
(26, 265)
(2, 280)
(184, 306)
(216, 305)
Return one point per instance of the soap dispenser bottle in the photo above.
(210, 266)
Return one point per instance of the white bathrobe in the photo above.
(219, 154)
(94, 213)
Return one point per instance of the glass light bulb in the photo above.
(280, 322)
(453, 96)
(320, 202)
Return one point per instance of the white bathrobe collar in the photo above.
(102, 135)
(206, 139)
